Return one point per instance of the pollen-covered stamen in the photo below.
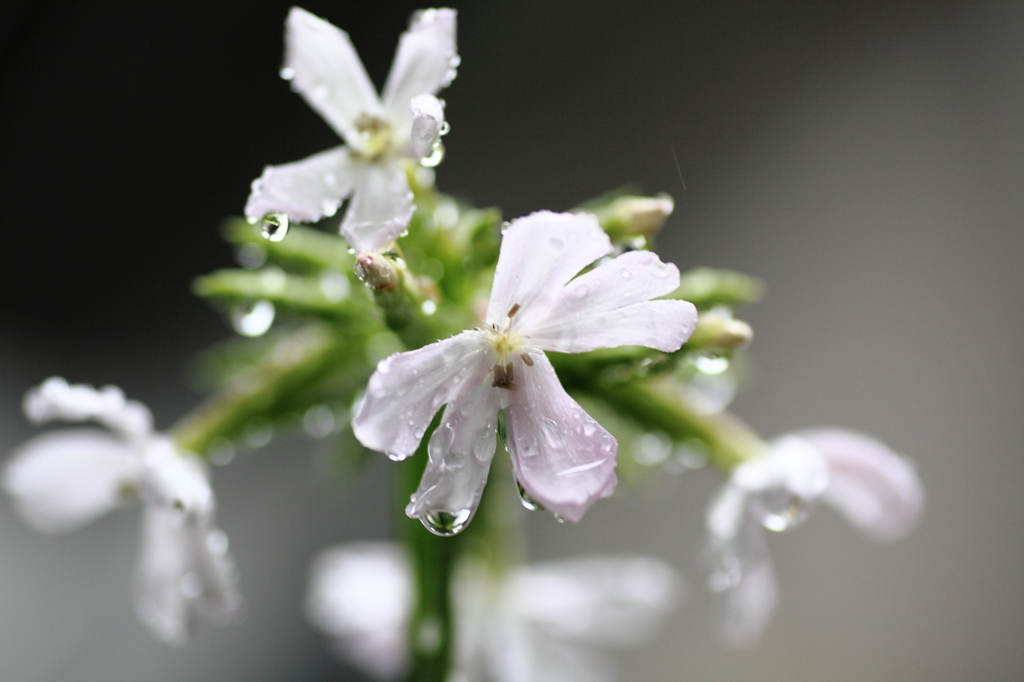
(504, 376)
(527, 359)
(375, 138)
(513, 310)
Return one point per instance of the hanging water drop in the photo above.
(253, 319)
(274, 226)
(528, 501)
(436, 156)
(445, 128)
(445, 523)
(397, 457)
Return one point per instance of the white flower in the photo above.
(536, 623)
(379, 132)
(62, 480)
(561, 457)
(875, 489)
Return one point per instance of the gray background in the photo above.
(866, 160)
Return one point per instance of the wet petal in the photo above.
(539, 255)
(326, 71)
(610, 306)
(560, 455)
(424, 63)
(407, 390)
(63, 480)
(784, 484)
(175, 480)
(306, 190)
(427, 122)
(460, 450)
(742, 612)
(874, 488)
(55, 399)
(380, 209)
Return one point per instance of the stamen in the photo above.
(513, 310)
(527, 359)
(504, 377)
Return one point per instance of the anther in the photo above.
(513, 310)
(527, 359)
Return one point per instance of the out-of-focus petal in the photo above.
(407, 390)
(361, 594)
(460, 450)
(424, 63)
(874, 488)
(782, 485)
(742, 612)
(540, 253)
(562, 457)
(325, 69)
(164, 581)
(221, 600)
(306, 190)
(427, 122)
(603, 599)
(55, 398)
(176, 481)
(381, 206)
(63, 480)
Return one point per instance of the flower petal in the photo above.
(381, 206)
(460, 450)
(325, 69)
(560, 455)
(427, 122)
(539, 254)
(63, 480)
(174, 480)
(610, 306)
(741, 613)
(407, 390)
(306, 190)
(55, 398)
(424, 63)
(874, 488)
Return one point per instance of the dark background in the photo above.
(865, 159)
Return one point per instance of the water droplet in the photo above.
(558, 518)
(274, 226)
(455, 61)
(445, 128)
(258, 433)
(397, 457)
(556, 243)
(329, 207)
(708, 364)
(222, 452)
(589, 428)
(318, 421)
(320, 93)
(526, 499)
(253, 319)
(330, 180)
(287, 73)
(652, 449)
(334, 286)
(436, 156)
(252, 220)
(445, 523)
(626, 274)
(217, 543)
(428, 307)
(190, 585)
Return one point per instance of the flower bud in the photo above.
(377, 271)
(634, 216)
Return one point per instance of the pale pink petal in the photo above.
(460, 453)
(610, 306)
(783, 484)
(55, 399)
(874, 488)
(63, 480)
(306, 190)
(424, 63)
(560, 455)
(381, 206)
(175, 480)
(407, 390)
(427, 124)
(539, 255)
(324, 68)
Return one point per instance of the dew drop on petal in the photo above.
(558, 518)
(397, 457)
(217, 543)
(524, 497)
(428, 307)
(446, 523)
(287, 73)
(435, 157)
(445, 128)
(274, 226)
(253, 319)
(707, 364)
(626, 274)
(556, 244)
(328, 207)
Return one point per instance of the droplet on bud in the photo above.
(445, 523)
(274, 226)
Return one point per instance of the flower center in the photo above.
(374, 138)
(506, 343)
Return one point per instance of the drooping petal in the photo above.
(610, 306)
(562, 457)
(306, 190)
(55, 398)
(539, 254)
(361, 594)
(424, 63)
(460, 450)
(325, 69)
(176, 481)
(874, 488)
(742, 612)
(407, 390)
(381, 206)
(63, 480)
(220, 600)
(427, 123)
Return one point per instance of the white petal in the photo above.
(361, 594)
(539, 254)
(220, 601)
(407, 390)
(427, 122)
(161, 588)
(560, 455)
(306, 190)
(726, 512)
(381, 206)
(424, 63)
(326, 71)
(56, 399)
(784, 484)
(744, 611)
(610, 306)
(877, 490)
(460, 450)
(616, 601)
(176, 481)
(63, 480)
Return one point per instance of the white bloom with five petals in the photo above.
(405, 122)
(62, 480)
(561, 457)
(875, 489)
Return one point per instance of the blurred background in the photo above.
(866, 160)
